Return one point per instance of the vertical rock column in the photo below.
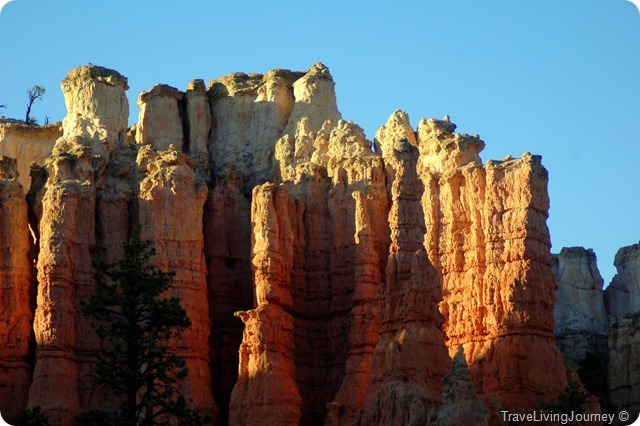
(171, 205)
(580, 319)
(94, 125)
(266, 392)
(410, 359)
(171, 210)
(622, 299)
(329, 168)
(248, 112)
(16, 315)
(488, 238)
(197, 112)
(227, 227)
(160, 119)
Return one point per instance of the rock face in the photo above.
(354, 275)
(581, 323)
(623, 305)
(318, 268)
(266, 391)
(28, 144)
(97, 114)
(622, 297)
(485, 234)
(160, 122)
(16, 314)
(171, 204)
(410, 358)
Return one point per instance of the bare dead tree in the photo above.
(35, 93)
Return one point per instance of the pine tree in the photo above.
(135, 321)
(571, 399)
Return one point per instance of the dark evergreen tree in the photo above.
(572, 398)
(135, 321)
(33, 417)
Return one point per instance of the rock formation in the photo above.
(485, 234)
(171, 204)
(160, 122)
(354, 275)
(266, 391)
(97, 113)
(581, 323)
(16, 313)
(332, 263)
(28, 144)
(411, 358)
(622, 299)
(622, 296)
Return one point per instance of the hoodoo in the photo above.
(326, 282)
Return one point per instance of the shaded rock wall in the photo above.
(622, 296)
(622, 299)
(16, 295)
(581, 323)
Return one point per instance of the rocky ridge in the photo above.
(354, 275)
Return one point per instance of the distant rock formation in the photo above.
(354, 275)
(622, 299)
(581, 323)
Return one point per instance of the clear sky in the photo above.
(559, 78)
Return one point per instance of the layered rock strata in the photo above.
(581, 323)
(16, 313)
(623, 305)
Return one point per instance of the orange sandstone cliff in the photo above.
(327, 283)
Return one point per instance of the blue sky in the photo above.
(559, 78)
